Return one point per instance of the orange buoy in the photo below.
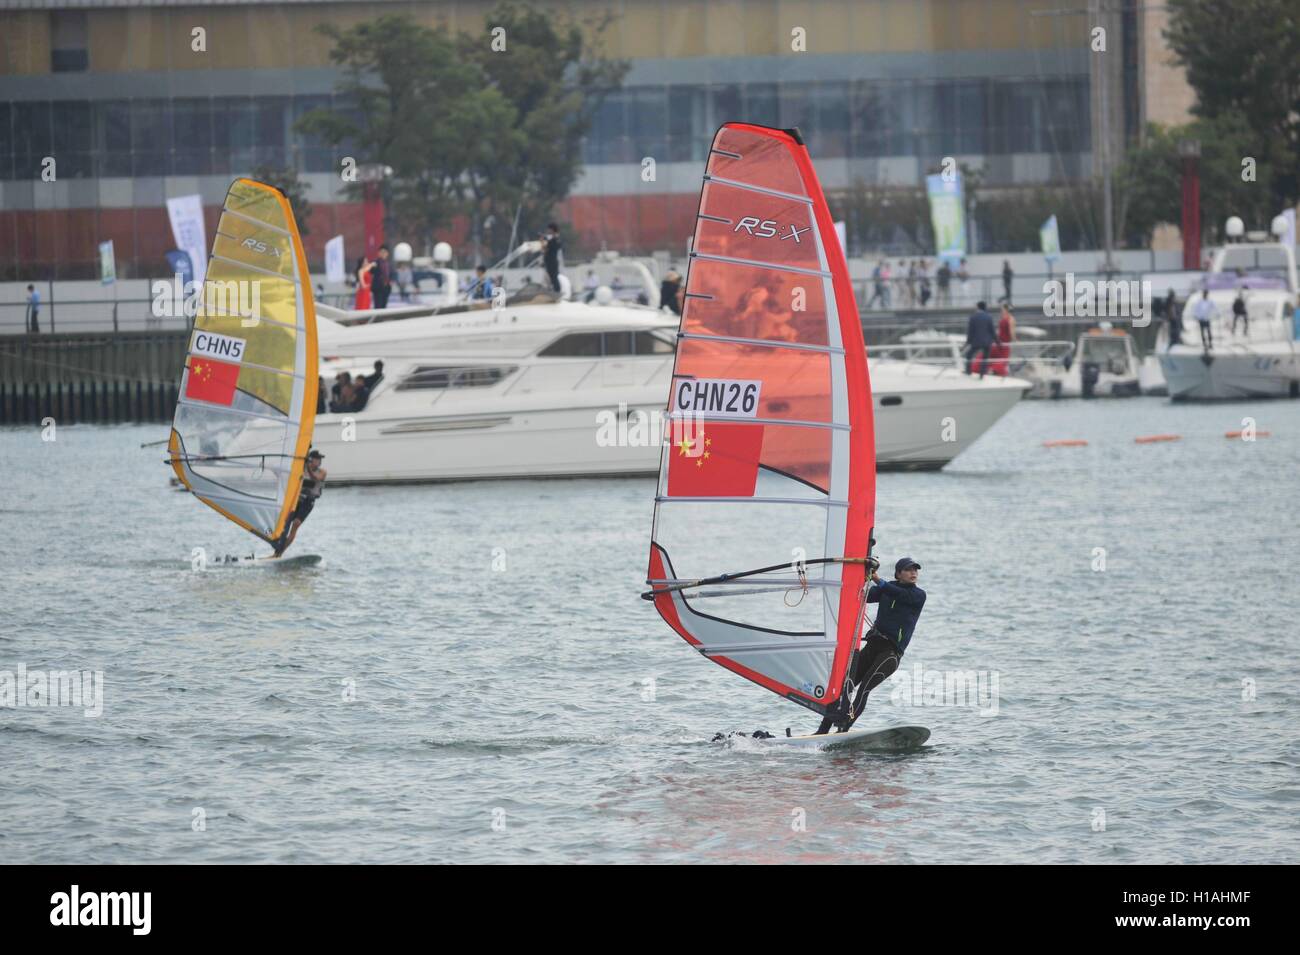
(1238, 434)
(1066, 443)
(1155, 438)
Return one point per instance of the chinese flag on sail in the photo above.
(212, 381)
(712, 459)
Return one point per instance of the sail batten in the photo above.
(770, 405)
(249, 387)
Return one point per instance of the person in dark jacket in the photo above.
(382, 278)
(1174, 319)
(883, 647)
(669, 291)
(981, 334)
(1239, 313)
(551, 254)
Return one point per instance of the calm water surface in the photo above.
(514, 700)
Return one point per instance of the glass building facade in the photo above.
(131, 112)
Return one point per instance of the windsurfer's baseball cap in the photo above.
(905, 563)
(313, 453)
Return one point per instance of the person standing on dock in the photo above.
(1203, 311)
(1007, 276)
(33, 310)
(980, 336)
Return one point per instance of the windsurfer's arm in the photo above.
(912, 596)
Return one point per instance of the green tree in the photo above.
(1243, 60)
(410, 102)
(1150, 179)
(551, 74)
(287, 181)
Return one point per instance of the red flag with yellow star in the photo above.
(212, 381)
(712, 459)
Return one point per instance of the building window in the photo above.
(68, 52)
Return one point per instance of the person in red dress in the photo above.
(1001, 350)
(363, 301)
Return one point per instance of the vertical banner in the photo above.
(186, 214)
(335, 267)
(107, 263)
(947, 215)
(1049, 237)
(1288, 238)
(179, 263)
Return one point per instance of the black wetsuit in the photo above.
(306, 498)
(882, 650)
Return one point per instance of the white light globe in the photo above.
(442, 252)
(1234, 227)
(402, 252)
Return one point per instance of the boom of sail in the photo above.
(243, 422)
(770, 462)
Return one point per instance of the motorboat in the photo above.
(1260, 360)
(543, 387)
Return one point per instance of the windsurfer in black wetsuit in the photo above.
(313, 480)
(882, 650)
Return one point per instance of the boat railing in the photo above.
(1039, 356)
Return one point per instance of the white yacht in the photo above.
(1261, 361)
(545, 388)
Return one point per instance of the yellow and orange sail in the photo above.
(248, 393)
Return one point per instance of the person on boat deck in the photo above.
(1239, 312)
(313, 479)
(981, 334)
(381, 281)
(552, 245)
(360, 393)
(481, 287)
(1203, 311)
(341, 392)
(883, 647)
(372, 380)
(1174, 316)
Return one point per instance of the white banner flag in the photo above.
(335, 265)
(107, 263)
(1288, 238)
(186, 214)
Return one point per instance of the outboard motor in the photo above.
(1089, 372)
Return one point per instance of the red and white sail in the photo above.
(771, 463)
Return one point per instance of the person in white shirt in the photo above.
(1203, 311)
